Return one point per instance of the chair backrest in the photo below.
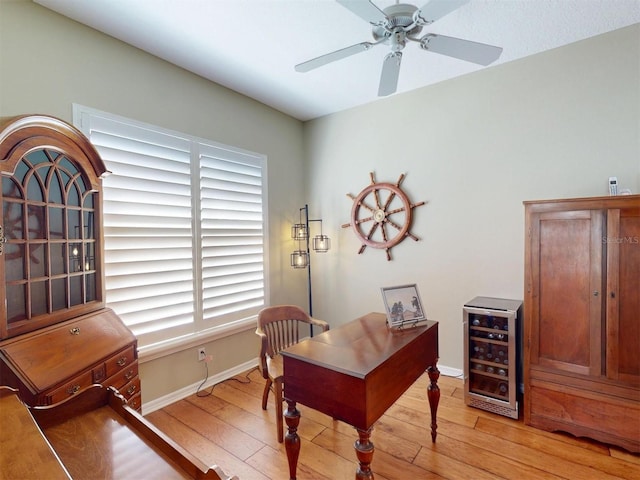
(281, 324)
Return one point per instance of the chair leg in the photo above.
(279, 418)
(265, 394)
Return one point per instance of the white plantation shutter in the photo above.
(183, 227)
(232, 235)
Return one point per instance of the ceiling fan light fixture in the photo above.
(398, 40)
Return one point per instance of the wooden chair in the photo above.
(280, 327)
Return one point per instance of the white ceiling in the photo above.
(251, 46)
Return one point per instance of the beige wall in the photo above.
(554, 125)
(48, 62)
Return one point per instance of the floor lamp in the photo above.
(301, 258)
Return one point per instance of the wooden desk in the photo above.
(93, 434)
(25, 451)
(354, 374)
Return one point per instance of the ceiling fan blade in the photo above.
(435, 9)
(475, 52)
(366, 10)
(390, 74)
(333, 56)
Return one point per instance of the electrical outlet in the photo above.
(201, 354)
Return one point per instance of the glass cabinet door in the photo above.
(489, 354)
(49, 241)
(492, 364)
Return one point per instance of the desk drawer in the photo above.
(123, 377)
(70, 388)
(120, 360)
(135, 402)
(131, 389)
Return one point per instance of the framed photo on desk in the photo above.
(402, 305)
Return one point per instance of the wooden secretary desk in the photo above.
(56, 336)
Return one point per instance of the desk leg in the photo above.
(364, 452)
(433, 394)
(291, 439)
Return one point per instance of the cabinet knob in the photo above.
(74, 331)
(596, 293)
(613, 294)
(73, 389)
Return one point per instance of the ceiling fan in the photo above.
(399, 23)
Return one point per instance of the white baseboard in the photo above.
(158, 403)
(173, 397)
(450, 371)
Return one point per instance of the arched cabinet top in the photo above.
(23, 134)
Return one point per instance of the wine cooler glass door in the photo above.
(490, 356)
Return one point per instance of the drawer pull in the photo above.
(74, 331)
(72, 390)
(131, 389)
(129, 375)
(122, 361)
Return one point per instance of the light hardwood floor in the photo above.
(229, 428)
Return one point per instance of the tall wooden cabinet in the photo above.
(56, 336)
(582, 318)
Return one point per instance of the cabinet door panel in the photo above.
(623, 299)
(569, 270)
(51, 223)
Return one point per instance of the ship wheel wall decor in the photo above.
(381, 215)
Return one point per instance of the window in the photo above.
(183, 230)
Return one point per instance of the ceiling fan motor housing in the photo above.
(393, 31)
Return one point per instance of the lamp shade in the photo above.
(299, 231)
(299, 259)
(321, 243)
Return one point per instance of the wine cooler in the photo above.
(492, 354)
